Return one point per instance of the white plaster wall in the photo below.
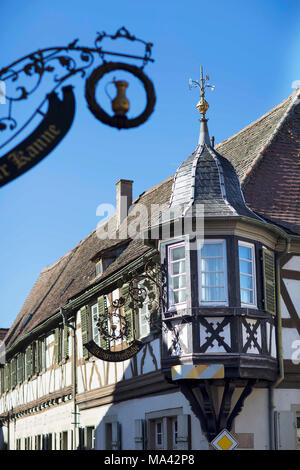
(254, 418)
(293, 264)
(290, 337)
(51, 420)
(127, 412)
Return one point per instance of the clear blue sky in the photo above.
(251, 50)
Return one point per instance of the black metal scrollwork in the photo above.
(140, 287)
(26, 75)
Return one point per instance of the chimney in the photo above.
(124, 199)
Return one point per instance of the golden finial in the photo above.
(202, 105)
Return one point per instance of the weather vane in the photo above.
(202, 105)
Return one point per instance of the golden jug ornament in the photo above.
(120, 104)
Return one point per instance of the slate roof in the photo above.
(267, 147)
(209, 179)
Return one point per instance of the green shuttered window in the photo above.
(269, 281)
(84, 315)
(102, 313)
(28, 362)
(66, 342)
(129, 314)
(7, 377)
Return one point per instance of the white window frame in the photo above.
(225, 270)
(252, 247)
(146, 314)
(159, 446)
(180, 305)
(94, 307)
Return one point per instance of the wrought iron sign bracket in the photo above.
(23, 79)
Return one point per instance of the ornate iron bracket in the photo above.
(116, 324)
(46, 70)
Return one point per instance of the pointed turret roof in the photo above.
(206, 177)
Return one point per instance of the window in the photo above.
(212, 273)
(43, 353)
(166, 433)
(63, 440)
(174, 423)
(61, 343)
(18, 444)
(298, 430)
(99, 269)
(20, 361)
(89, 437)
(108, 436)
(112, 433)
(47, 442)
(27, 443)
(144, 316)
(247, 274)
(158, 426)
(164, 428)
(177, 275)
(95, 319)
(38, 442)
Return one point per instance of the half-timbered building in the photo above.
(160, 341)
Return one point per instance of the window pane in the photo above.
(178, 267)
(245, 252)
(179, 282)
(213, 294)
(179, 296)
(246, 281)
(245, 267)
(212, 279)
(246, 296)
(212, 249)
(212, 264)
(177, 253)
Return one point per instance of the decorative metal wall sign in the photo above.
(114, 356)
(24, 77)
(116, 324)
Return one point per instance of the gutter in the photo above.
(280, 378)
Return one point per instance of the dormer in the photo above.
(105, 257)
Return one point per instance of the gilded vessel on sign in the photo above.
(120, 104)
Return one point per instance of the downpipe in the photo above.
(74, 353)
(280, 377)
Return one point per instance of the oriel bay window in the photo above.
(212, 272)
(247, 274)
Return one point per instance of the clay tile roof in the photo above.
(243, 149)
(272, 138)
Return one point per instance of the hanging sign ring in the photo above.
(119, 120)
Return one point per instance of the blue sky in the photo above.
(250, 49)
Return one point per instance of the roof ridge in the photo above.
(279, 105)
